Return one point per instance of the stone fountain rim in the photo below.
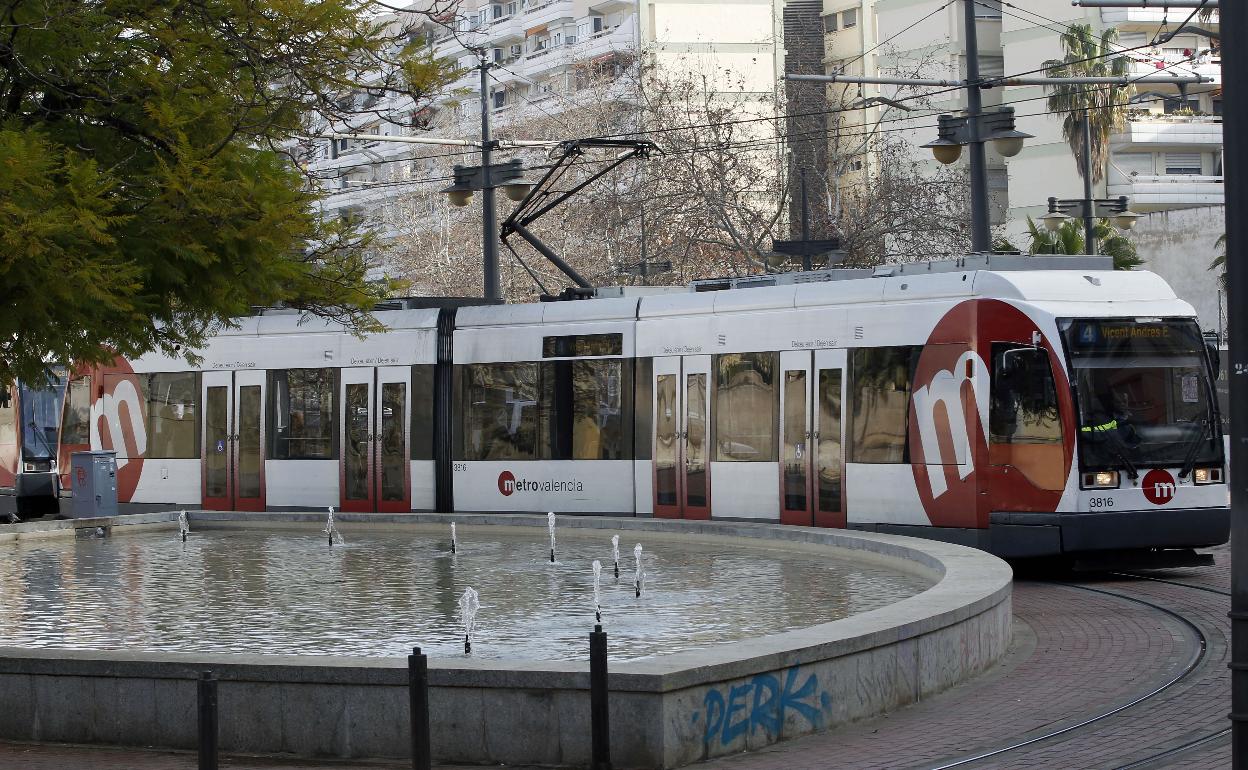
(968, 583)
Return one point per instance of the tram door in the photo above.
(811, 392)
(682, 468)
(233, 440)
(376, 423)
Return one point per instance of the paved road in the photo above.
(1076, 654)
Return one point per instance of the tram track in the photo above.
(1192, 665)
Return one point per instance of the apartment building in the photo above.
(1167, 158)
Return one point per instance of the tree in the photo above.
(1068, 239)
(1105, 106)
(1219, 262)
(149, 181)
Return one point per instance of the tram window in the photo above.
(422, 412)
(76, 424)
(499, 411)
(172, 414)
(302, 404)
(1024, 424)
(746, 403)
(601, 402)
(880, 380)
(643, 374)
(579, 345)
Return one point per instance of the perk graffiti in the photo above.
(763, 702)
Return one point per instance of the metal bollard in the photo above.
(207, 721)
(600, 720)
(418, 690)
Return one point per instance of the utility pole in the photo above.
(489, 218)
(980, 240)
(1089, 223)
(1234, 20)
(806, 261)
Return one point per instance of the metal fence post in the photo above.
(418, 691)
(207, 721)
(600, 720)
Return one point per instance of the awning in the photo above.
(531, 31)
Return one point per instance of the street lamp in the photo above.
(953, 131)
(1114, 209)
(468, 179)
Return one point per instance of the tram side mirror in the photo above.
(1215, 358)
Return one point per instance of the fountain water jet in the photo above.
(615, 554)
(453, 543)
(184, 526)
(550, 525)
(469, 603)
(639, 580)
(597, 590)
(331, 531)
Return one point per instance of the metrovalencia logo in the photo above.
(508, 484)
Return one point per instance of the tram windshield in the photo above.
(41, 417)
(1143, 393)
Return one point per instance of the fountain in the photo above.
(184, 526)
(469, 603)
(330, 530)
(639, 581)
(454, 548)
(550, 525)
(615, 554)
(597, 590)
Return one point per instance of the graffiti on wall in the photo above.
(764, 702)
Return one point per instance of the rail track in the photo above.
(1196, 666)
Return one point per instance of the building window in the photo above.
(172, 414)
(879, 387)
(849, 18)
(302, 404)
(746, 401)
(1183, 163)
(829, 23)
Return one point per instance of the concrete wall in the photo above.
(666, 711)
(1178, 246)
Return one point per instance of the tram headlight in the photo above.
(1100, 480)
(1207, 476)
(30, 467)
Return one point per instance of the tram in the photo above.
(1030, 406)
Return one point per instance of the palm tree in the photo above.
(1106, 106)
(1068, 239)
(1219, 262)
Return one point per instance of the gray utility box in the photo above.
(93, 477)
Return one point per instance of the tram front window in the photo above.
(41, 418)
(1144, 397)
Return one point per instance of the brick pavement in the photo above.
(1074, 654)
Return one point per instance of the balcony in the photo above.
(621, 38)
(1209, 67)
(1150, 18)
(1159, 192)
(1169, 131)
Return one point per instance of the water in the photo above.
(284, 592)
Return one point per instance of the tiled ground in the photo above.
(1076, 654)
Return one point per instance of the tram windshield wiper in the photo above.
(1189, 462)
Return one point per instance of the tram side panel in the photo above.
(543, 411)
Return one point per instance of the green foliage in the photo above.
(1086, 55)
(147, 190)
(1068, 239)
(1219, 262)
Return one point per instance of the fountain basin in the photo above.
(667, 710)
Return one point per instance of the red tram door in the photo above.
(375, 472)
(682, 468)
(811, 461)
(233, 440)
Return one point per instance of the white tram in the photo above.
(1030, 406)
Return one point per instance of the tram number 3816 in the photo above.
(1100, 502)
